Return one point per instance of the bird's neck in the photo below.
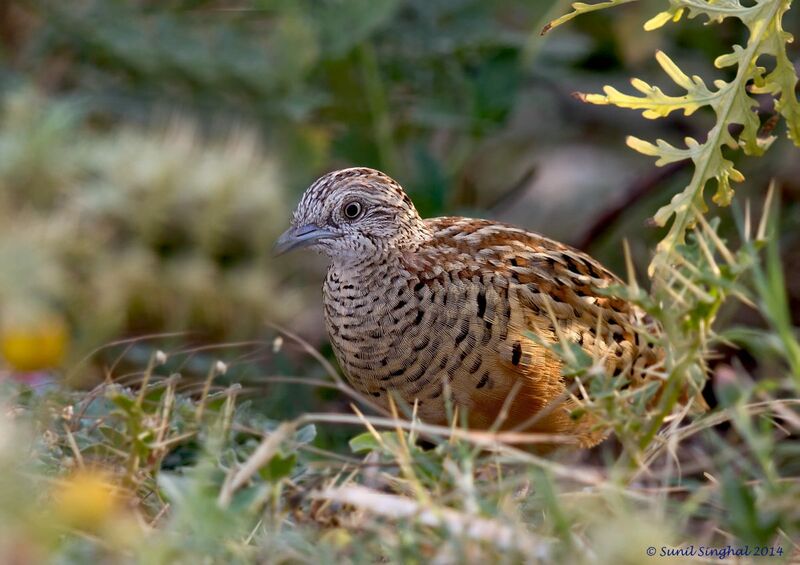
(370, 271)
(369, 264)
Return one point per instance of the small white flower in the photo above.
(161, 357)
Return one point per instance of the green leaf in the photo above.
(579, 8)
(246, 499)
(715, 11)
(731, 102)
(781, 83)
(278, 467)
(654, 103)
(745, 520)
(306, 434)
(121, 399)
(364, 443)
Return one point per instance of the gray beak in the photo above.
(298, 237)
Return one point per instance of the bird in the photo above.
(464, 312)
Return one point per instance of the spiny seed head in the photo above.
(363, 212)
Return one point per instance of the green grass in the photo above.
(149, 468)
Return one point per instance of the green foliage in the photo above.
(152, 475)
(731, 101)
(319, 77)
(136, 230)
(579, 8)
(770, 290)
(692, 280)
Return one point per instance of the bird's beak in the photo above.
(300, 236)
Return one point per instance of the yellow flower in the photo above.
(339, 538)
(87, 500)
(36, 345)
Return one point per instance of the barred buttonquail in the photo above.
(412, 304)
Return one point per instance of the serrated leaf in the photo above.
(665, 152)
(654, 103)
(717, 10)
(730, 101)
(782, 81)
(579, 8)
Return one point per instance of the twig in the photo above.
(487, 439)
(636, 191)
(401, 507)
(263, 453)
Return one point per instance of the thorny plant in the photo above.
(731, 101)
(694, 270)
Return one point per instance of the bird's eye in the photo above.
(352, 210)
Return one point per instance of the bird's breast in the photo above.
(369, 320)
(399, 333)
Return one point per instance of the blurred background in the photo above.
(152, 150)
